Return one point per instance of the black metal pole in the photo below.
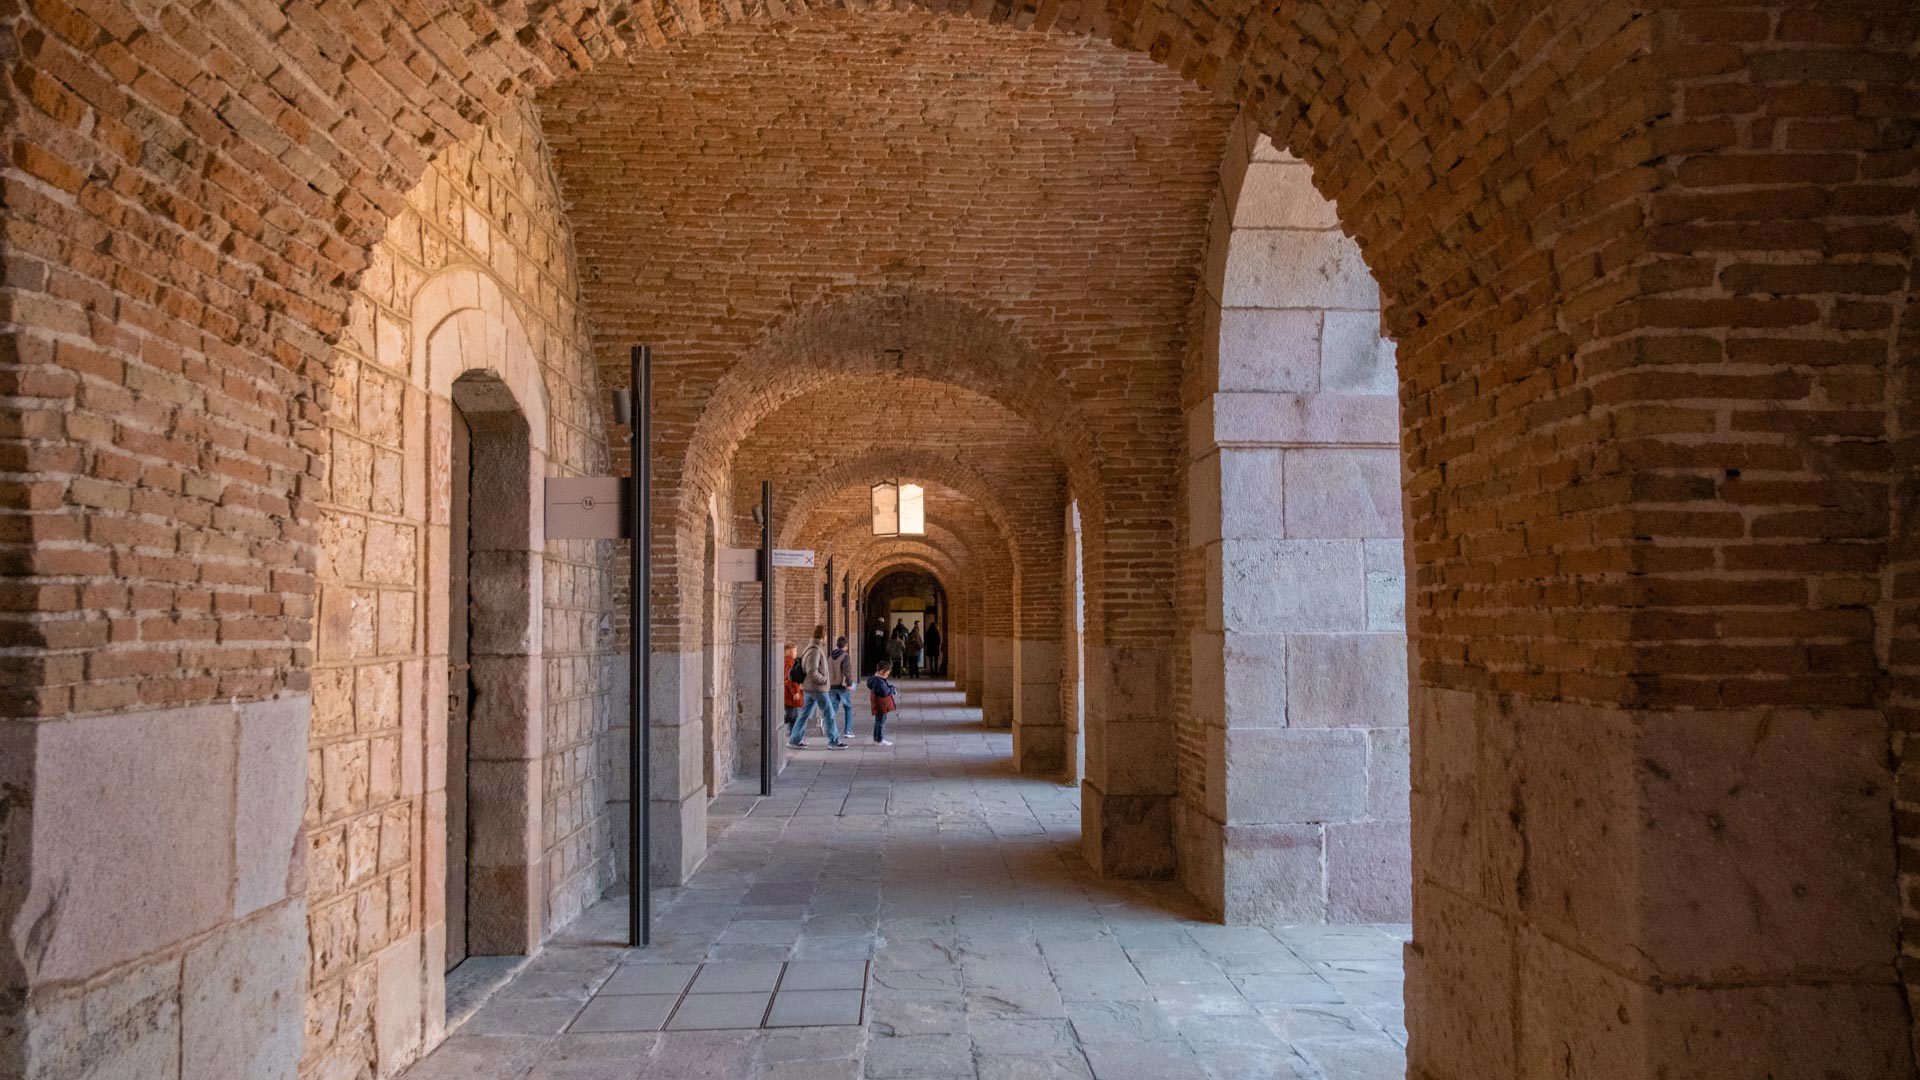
(640, 676)
(766, 637)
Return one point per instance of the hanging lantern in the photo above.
(899, 509)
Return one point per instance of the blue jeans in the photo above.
(815, 699)
(843, 701)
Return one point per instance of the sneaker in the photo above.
(836, 746)
(801, 745)
(883, 742)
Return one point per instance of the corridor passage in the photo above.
(992, 951)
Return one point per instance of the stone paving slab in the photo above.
(986, 947)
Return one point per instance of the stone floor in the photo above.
(993, 952)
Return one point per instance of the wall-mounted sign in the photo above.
(739, 564)
(586, 507)
(796, 557)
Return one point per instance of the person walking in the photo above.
(884, 702)
(915, 646)
(812, 667)
(840, 689)
(933, 651)
(897, 648)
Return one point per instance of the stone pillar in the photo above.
(1638, 885)
(997, 680)
(742, 725)
(1074, 625)
(976, 686)
(1300, 672)
(1298, 653)
(957, 650)
(158, 866)
(1039, 731)
(1126, 805)
(679, 803)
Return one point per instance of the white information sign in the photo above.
(797, 557)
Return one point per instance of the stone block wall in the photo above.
(476, 274)
(161, 884)
(1294, 765)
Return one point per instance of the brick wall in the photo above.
(1625, 248)
(1903, 584)
(376, 806)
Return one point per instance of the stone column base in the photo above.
(679, 837)
(1039, 732)
(1040, 749)
(153, 873)
(1643, 894)
(1127, 836)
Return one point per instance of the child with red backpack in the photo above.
(883, 701)
(793, 698)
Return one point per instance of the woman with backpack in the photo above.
(812, 669)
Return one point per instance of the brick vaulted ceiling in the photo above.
(992, 482)
(1058, 186)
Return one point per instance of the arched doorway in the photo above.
(493, 640)
(898, 604)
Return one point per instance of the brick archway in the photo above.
(885, 334)
(1558, 202)
(1019, 682)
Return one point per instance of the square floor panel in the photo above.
(712, 1012)
(825, 975)
(814, 1008)
(736, 977)
(625, 1012)
(649, 979)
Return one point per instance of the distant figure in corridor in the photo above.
(897, 647)
(883, 702)
(840, 692)
(933, 651)
(915, 646)
(876, 648)
(813, 666)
